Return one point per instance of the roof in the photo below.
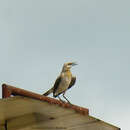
(26, 110)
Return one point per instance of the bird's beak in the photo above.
(74, 63)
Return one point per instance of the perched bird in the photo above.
(63, 82)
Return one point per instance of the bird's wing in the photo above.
(57, 82)
(73, 80)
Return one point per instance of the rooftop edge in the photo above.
(8, 90)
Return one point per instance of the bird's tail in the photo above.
(48, 92)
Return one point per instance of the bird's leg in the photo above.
(60, 99)
(66, 98)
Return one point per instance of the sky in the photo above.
(37, 37)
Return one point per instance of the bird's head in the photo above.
(67, 66)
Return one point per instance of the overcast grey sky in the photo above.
(38, 36)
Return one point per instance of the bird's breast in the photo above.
(64, 84)
(67, 76)
(66, 79)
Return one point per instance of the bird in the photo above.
(63, 82)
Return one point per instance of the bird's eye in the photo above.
(68, 66)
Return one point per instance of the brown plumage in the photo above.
(64, 82)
